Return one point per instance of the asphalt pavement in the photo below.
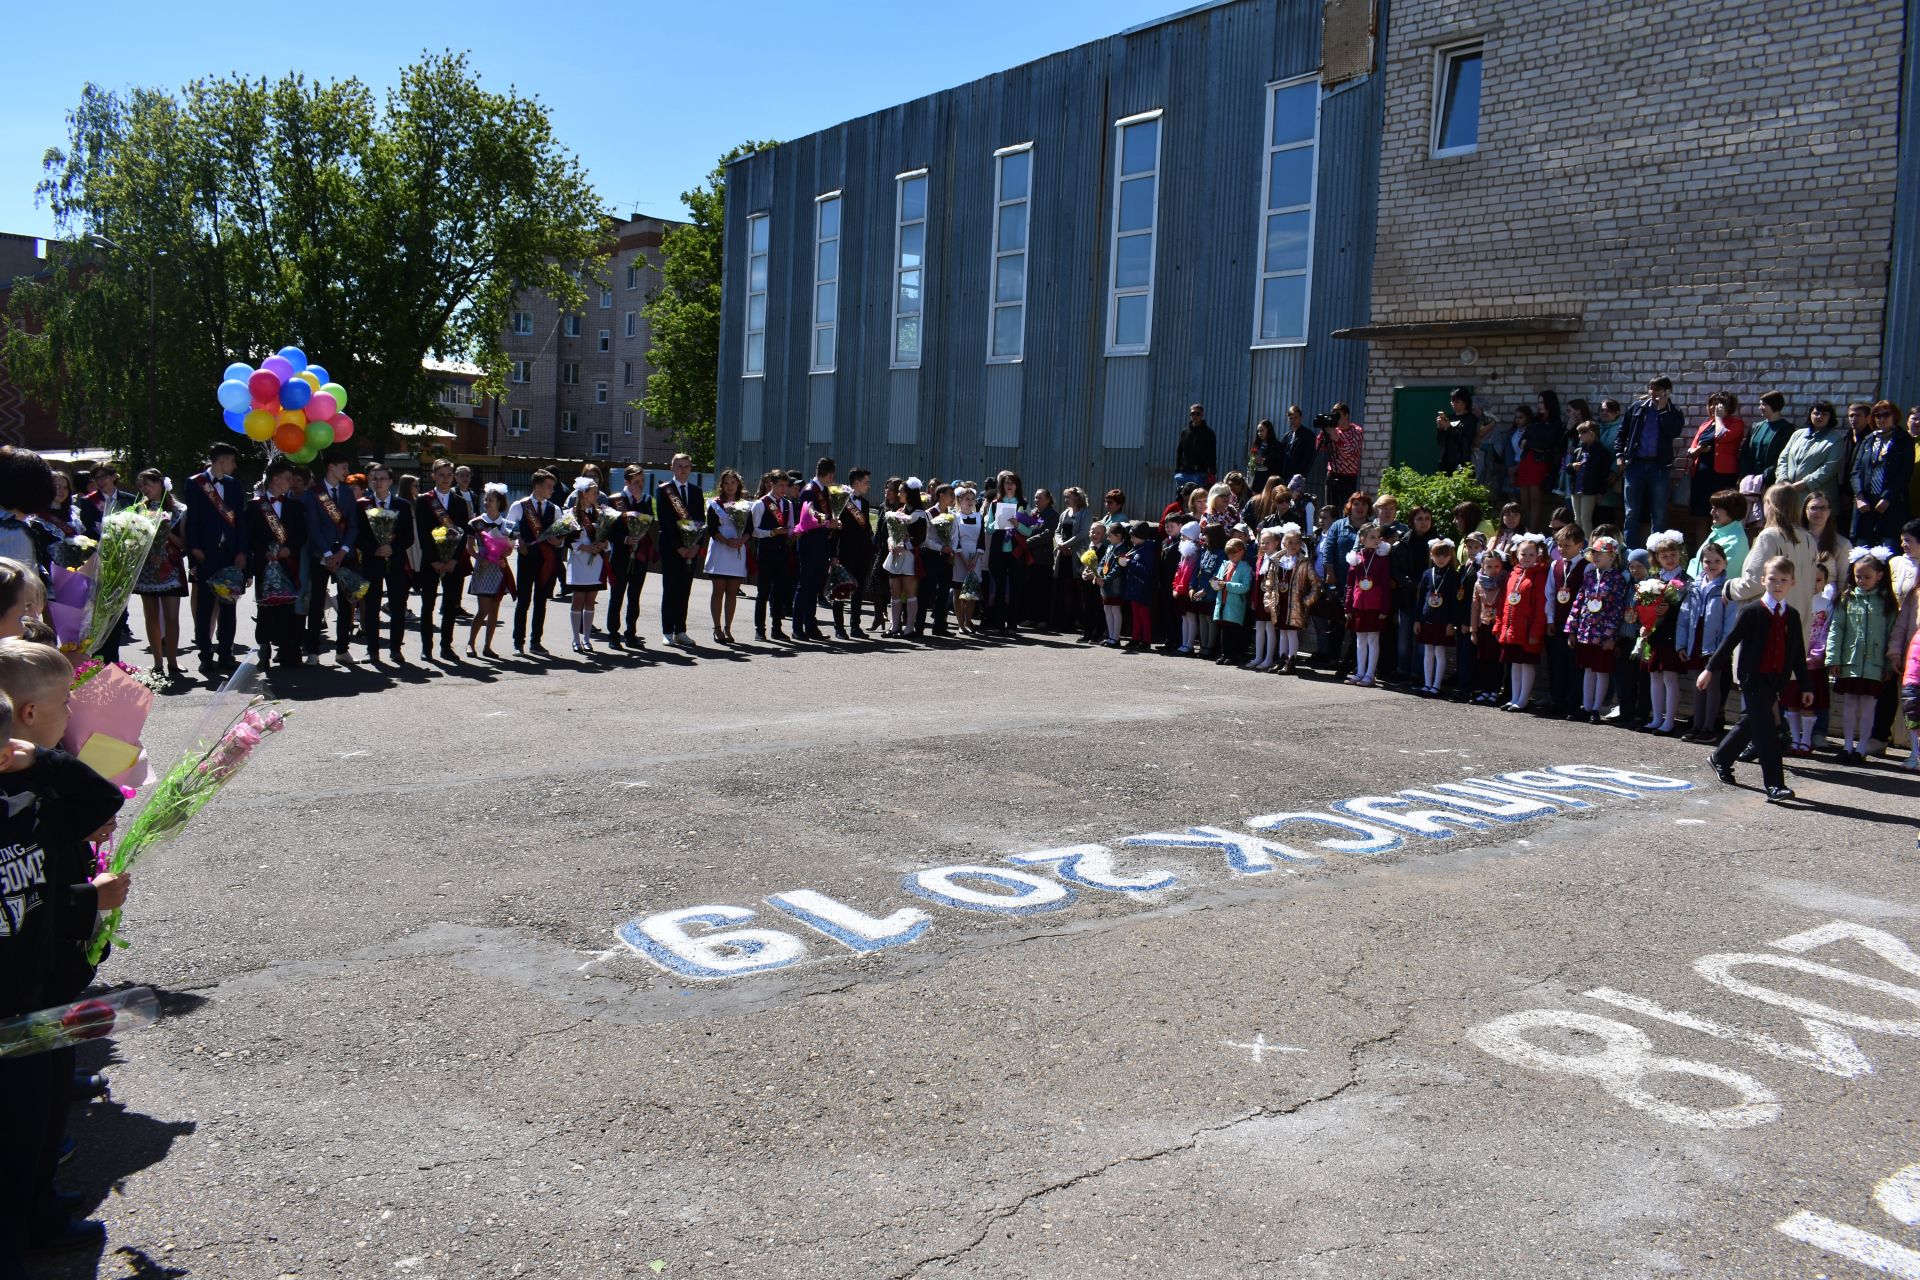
(1002, 959)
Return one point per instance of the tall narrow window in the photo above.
(606, 339)
(754, 362)
(572, 326)
(523, 322)
(1286, 220)
(826, 278)
(1007, 310)
(1456, 99)
(1136, 208)
(569, 420)
(516, 422)
(632, 325)
(909, 268)
(633, 275)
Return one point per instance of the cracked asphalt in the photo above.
(404, 1040)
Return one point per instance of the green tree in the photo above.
(371, 233)
(683, 317)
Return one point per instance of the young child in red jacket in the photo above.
(1522, 626)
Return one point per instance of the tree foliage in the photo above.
(1439, 493)
(683, 316)
(372, 233)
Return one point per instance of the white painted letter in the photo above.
(1500, 805)
(1246, 855)
(1377, 839)
(1421, 822)
(1092, 865)
(1879, 941)
(1853, 1244)
(1630, 777)
(663, 939)
(1718, 969)
(1832, 1050)
(1622, 1064)
(848, 926)
(1026, 894)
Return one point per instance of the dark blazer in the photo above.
(666, 523)
(208, 531)
(293, 519)
(1749, 636)
(426, 518)
(403, 529)
(1298, 453)
(324, 537)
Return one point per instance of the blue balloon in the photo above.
(294, 393)
(239, 371)
(319, 373)
(293, 356)
(236, 420)
(234, 395)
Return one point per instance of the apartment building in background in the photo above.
(574, 374)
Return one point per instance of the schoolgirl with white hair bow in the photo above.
(1663, 661)
(1857, 647)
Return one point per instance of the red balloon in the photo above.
(270, 405)
(290, 436)
(342, 428)
(264, 386)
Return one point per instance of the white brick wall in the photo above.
(1708, 185)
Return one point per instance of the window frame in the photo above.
(600, 443)
(626, 422)
(523, 324)
(900, 225)
(994, 306)
(813, 335)
(570, 325)
(1261, 275)
(1114, 292)
(517, 422)
(606, 298)
(746, 318)
(569, 421)
(632, 329)
(569, 373)
(633, 276)
(626, 373)
(606, 340)
(522, 372)
(1444, 56)
(600, 390)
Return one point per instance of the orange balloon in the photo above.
(291, 437)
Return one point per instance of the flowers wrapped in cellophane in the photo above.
(382, 521)
(229, 583)
(95, 1018)
(351, 583)
(234, 726)
(564, 527)
(838, 496)
(88, 599)
(940, 531)
(1648, 597)
(606, 524)
(106, 714)
(741, 514)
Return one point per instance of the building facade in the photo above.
(1582, 196)
(574, 374)
(1042, 269)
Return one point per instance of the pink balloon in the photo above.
(279, 366)
(321, 407)
(264, 385)
(342, 427)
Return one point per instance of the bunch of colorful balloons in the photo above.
(288, 401)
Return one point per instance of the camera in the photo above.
(1325, 421)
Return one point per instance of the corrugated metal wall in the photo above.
(1900, 354)
(1048, 417)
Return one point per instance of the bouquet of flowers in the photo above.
(107, 712)
(446, 541)
(73, 553)
(277, 585)
(837, 498)
(382, 521)
(1648, 598)
(351, 583)
(94, 1018)
(691, 531)
(741, 514)
(1088, 557)
(940, 532)
(899, 528)
(841, 585)
(234, 726)
(970, 589)
(563, 528)
(229, 583)
(606, 521)
(493, 546)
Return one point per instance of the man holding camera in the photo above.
(1341, 438)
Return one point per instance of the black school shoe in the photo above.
(60, 1234)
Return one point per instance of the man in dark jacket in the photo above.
(1194, 460)
(1457, 431)
(1299, 445)
(1646, 458)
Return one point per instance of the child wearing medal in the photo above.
(1438, 603)
(1565, 576)
(1522, 626)
(1295, 587)
(1706, 616)
(1593, 622)
(1266, 576)
(1465, 647)
(1369, 596)
(1663, 662)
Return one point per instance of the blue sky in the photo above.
(647, 95)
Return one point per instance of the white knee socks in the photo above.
(1435, 666)
(1113, 622)
(1189, 626)
(1595, 689)
(1289, 642)
(1366, 654)
(1856, 720)
(1521, 675)
(1663, 692)
(1262, 645)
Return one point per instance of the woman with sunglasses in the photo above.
(1882, 470)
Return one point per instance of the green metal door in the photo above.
(1415, 443)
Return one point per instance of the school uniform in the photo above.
(1771, 650)
(1369, 592)
(1565, 578)
(673, 503)
(277, 530)
(1706, 615)
(773, 557)
(333, 528)
(626, 571)
(1522, 625)
(812, 550)
(536, 567)
(1142, 560)
(1437, 601)
(856, 558)
(937, 572)
(216, 535)
(387, 576)
(435, 510)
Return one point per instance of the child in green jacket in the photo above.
(1857, 648)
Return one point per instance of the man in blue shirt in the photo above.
(1646, 459)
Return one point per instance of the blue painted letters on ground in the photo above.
(717, 941)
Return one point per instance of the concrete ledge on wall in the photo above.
(1462, 328)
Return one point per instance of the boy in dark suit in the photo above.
(216, 535)
(277, 532)
(385, 564)
(1773, 650)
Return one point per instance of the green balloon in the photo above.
(303, 456)
(338, 392)
(319, 436)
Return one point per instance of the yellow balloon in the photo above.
(259, 425)
(306, 376)
(293, 416)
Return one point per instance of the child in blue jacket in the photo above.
(1142, 559)
(1706, 615)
